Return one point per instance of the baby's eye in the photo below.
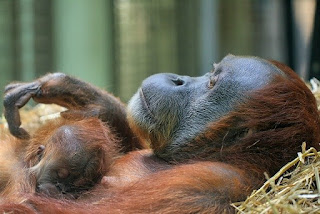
(40, 151)
(63, 173)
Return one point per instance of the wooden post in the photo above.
(83, 40)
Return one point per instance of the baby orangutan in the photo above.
(63, 158)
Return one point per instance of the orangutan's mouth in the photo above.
(145, 103)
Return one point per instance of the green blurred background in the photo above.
(115, 44)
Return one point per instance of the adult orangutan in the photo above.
(211, 137)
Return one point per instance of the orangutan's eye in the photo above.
(63, 173)
(212, 81)
(40, 151)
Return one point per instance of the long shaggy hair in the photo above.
(266, 131)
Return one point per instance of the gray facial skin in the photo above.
(173, 109)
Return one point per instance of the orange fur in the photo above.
(20, 165)
(221, 165)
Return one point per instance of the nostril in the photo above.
(48, 189)
(60, 187)
(177, 81)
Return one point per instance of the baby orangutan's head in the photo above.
(67, 157)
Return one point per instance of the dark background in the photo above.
(115, 44)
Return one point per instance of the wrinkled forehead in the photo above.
(252, 71)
